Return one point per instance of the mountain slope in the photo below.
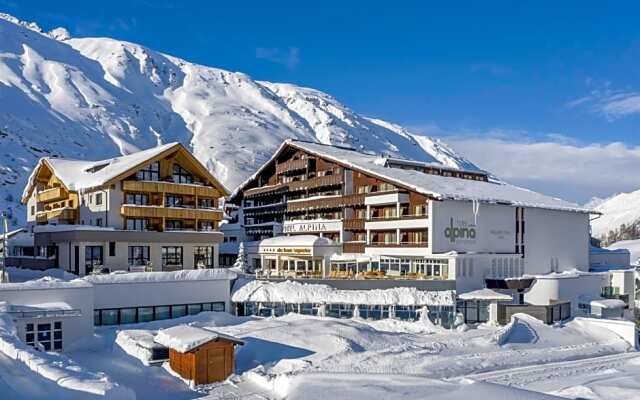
(94, 98)
(620, 218)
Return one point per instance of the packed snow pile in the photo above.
(300, 293)
(57, 367)
(23, 275)
(138, 343)
(46, 282)
(98, 98)
(632, 245)
(161, 276)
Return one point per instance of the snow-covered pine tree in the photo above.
(241, 262)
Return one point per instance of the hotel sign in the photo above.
(311, 226)
(286, 250)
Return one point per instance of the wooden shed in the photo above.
(199, 355)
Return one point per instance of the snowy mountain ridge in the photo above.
(96, 98)
(620, 219)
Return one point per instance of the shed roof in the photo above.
(185, 338)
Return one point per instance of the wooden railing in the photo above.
(170, 187)
(53, 194)
(68, 214)
(281, 187)
(316, 182)
(353, 247)
(131, 211)
(401, 244)
(292, 165)
(353, 224)
(327, 202)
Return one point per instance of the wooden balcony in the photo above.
(318, 181)
(68, 214)
(170, 187)
(293, 165)
(327, 202)
(266, 190)
(53, 194)
(133, 211)
(353, 247)
(353, 224)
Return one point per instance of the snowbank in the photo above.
(23, 275)
(182, 275)
(46, 282)
(57, 367)
(137, 343)
(296, 293)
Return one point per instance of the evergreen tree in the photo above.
(241, 264)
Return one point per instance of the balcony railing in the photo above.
(53, 194)
(353, 247)
(392, 217)
(170, 187)
(401, 244)
(65, 213)
(266, 190)
(133, 211)
(327, 202)
(353, 224)
(293, 165)
(313, 183)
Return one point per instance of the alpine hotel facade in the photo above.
(154, 210)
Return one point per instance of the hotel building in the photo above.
(154, 210)
(400, 221)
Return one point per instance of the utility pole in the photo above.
(3, 256)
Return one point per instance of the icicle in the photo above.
(356, 311)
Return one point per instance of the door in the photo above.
(216, 370)
(76, 260)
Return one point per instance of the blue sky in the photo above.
(564, 73)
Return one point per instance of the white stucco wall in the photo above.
(555, 235)
(558, 287)
(74, 328)
(142, 294)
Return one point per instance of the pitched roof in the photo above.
(184, 338)
(78, 175)
(436, 186)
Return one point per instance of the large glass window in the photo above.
(93, 257)
(140, 199)
(163, 312)
(128, 316)
(181, 175)
(145, 314)
(149, 173)
(205, 203)
(206, 226)
(137, 224)
(173, 201)
(174, 225)
(138, 255)
(109, 317)
(172, 256)
(178, 311)
(203, 257)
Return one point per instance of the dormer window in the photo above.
(149, 173)
(181, 175)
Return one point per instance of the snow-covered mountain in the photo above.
(620, 218)
(94, 98)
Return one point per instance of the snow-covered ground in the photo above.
(632, 245)
(305, 357)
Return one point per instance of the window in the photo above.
(33, 210)
(163, 312)
(181, 175)
(173, 201)
(145, 314)
(140, 199)
(47, 337)
(93, 257)
(98, 199)
(206, 203)
(206, 226)
(128, 315)
(137, 224)
(171, 256)
(98, 221)
(149, 173)
(203, 257)
(178, 311)
(174, 225)
(138, 255)
(112, 249)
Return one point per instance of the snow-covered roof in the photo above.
(168, 276)
(53, 306)
(437, 186)
(607, 303)
(24, 239)
(297, 293)
(81, 174)
(46, 282)
(485, 294)
(297, 241)
(184, 338)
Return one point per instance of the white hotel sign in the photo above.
(311, 226)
